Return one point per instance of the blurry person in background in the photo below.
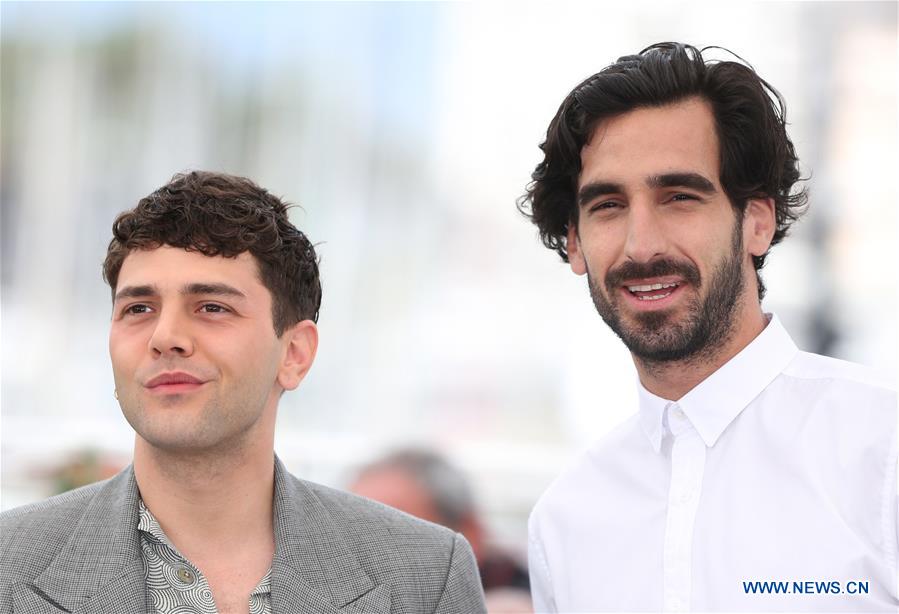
(426, 485)
(666, 179)
(82, 468)
(215, 299)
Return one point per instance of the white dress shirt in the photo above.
(778, 468)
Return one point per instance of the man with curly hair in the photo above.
(215, 299)
(754, 476)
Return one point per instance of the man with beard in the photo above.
(754, 476)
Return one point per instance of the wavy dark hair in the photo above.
(224, 215)
(757, 158)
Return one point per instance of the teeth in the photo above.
(648, 287)
(654, 297)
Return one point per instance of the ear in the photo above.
(575, 256)
(300, 342)
(758, 225)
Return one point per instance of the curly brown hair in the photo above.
(757, 157)
(224, 215)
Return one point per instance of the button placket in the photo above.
(687, 465)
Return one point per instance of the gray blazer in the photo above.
(334, 552)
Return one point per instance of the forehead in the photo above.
(173, 266)
(651, 141)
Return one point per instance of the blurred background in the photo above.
(405, 132)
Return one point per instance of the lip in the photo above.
(173, 382)
(648, 281)
(643, 305)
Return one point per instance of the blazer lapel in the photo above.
(313, 569)
(100, 569)
(293, 595)
(28, 600)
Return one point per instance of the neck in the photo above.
(672, 380)
(209, 503)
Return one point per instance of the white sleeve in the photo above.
(891, 511)
(538, 568)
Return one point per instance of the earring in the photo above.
(115, 393)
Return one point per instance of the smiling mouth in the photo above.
(652, 292)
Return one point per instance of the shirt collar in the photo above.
(148, 524)
(714, 403)
(652, 411)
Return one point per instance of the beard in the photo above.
(660, 337)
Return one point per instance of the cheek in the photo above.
(604, 244)
(121, 352)
(599, 257)
(255, 355)
(710, 261)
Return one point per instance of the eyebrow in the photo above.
(597, 188)
(694, 181)
(148, 290)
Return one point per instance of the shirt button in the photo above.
(185, 575)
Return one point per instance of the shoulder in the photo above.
(377, 533)
(619, 453)
(31, 536)
(840, 391)
(356, 517)
(808, 366)
(427, 566)
(47, 519)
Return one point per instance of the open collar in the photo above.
(100, 568)
(715, 402)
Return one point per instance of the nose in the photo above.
(646, 235)
(171, 336)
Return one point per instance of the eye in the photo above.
(605, 205)
(213, 308)
(136, 309)
(681, 196)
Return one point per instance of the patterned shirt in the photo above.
(175, 585)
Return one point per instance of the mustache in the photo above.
(616, 277)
